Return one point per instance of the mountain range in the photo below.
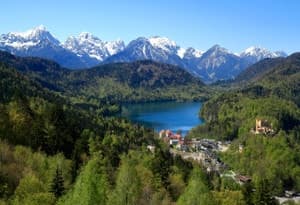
(87, 50)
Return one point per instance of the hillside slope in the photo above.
(273, 97)
(121, 82)
(282, 79)
(258, 69)
(13, 84)
(273, 94)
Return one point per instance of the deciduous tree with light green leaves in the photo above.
(31, 191)
(128, 186)
(91, 186)
(197, 192)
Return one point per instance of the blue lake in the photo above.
(164, 115)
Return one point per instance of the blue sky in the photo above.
(234, 24)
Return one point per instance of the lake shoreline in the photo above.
(175, 116)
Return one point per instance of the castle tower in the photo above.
(258, 125)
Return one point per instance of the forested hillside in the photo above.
(48, 146)
(61, 144)
(257, 70)
(113, 83)
(271, 95)
(55, 151)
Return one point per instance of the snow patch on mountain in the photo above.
(88, 45)
(197, 53)
(27, 39)
(181, 52)
(31, 33)
(87, 50)
(114, 47)
(163, 43)
(257, 53)
(192, 53)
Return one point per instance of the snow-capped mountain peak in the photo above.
(29, 38)
(86, 50)
(255, 50)
(170, 47)
(114, 47)
(258, 53)
(86, 44)
(190, 53)
(85, 35)
(88, 37)
(163, 43)
(218, 48)
(216, 51)
(31, 33)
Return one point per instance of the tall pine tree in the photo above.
(263, 193)
(57, 186)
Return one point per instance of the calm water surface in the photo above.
(165, 115)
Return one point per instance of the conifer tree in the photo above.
(57, 186)
(263, 194)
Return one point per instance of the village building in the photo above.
(165, 133)
(170, 138)
(173, 141)
(262, 126)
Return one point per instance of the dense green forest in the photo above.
(273, 95)
(52, 150)
(114, 83)
(60, 142)
(271, 92)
